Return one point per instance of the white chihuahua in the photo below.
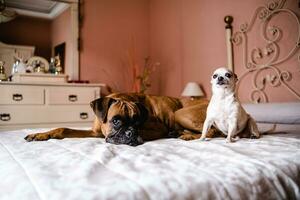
(225, 111)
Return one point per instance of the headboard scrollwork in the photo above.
(274, 59)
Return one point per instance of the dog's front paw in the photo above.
(202, 138)
(37, 137)
(189, 136)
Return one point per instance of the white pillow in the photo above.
(284, 113)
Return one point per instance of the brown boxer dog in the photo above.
(134, 118)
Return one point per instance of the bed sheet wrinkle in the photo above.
(248, 182)
(173, 157)
(262, 165)
(255, 163)
(127, 165)
(23, 169)
(70, 179)
(85, 153)
(121, 158)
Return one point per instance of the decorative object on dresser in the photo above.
(3, 76)
(38, 64)
(58, 66)
(40, 69)
(46, 104)
(9, 52)
(192, 90)
(19, 65)
(55, 65)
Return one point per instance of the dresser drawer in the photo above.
(10, 115)
(70, 95)
(23, 95)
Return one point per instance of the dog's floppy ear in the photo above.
(143, 114)
(100, 107)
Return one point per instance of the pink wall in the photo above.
(186, 36)
(109, 29)
(61, 32)
(166, 46)
(28, 31)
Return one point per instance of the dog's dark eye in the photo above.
(117, 122)
(228, 75)
(215, 76)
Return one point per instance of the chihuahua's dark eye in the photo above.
(228, 75)
(215, 76)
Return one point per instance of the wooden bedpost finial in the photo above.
(228, 20)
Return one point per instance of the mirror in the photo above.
(43, 28)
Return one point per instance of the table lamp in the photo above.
(192, 90)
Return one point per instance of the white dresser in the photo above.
(25, 105)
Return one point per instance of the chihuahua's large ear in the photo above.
(236, 77)
(143, 114)
(101, 106)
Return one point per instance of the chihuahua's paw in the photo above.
(203, 139)
(252, 136)
(229, 140)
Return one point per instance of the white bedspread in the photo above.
(88, 168)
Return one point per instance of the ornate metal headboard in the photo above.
(265, 65)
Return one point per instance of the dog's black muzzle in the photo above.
(128, 136)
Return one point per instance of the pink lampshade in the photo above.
(192, 89)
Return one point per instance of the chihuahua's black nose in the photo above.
(220, 78)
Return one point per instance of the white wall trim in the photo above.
(57, 10)
(74, 75)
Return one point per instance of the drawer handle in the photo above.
(73, 97)
(84, 115)
(17, 97)
(5, 117)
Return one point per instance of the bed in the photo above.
(89, 168)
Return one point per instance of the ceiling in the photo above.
(37, 8)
